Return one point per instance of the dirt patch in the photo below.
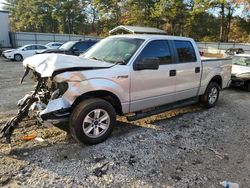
(187, 147)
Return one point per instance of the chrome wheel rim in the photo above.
(96, 123)
(213, 95)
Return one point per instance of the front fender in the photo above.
(77, 88)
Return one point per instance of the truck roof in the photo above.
(148, 36)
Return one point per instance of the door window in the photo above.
(30, 48)
(185, 51)
(40, 47)
(81, 46)
(157, 49)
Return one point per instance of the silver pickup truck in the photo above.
(120, 75)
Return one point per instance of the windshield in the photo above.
(67, 45)
(243, 61)
(114, 50)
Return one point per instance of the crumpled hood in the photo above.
(47, 64)
(238, 69)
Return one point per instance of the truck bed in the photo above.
(211, 66)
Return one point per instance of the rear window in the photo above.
(185, 51)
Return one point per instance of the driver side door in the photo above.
(151, 88)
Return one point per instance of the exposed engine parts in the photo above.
(37, 99)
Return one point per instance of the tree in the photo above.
(139, 12)
(173, 13)
(201, 19)
(240, 30)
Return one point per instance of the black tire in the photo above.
(210, 93)
(85, 109)
(18, 57)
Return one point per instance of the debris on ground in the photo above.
(29, 137)
(219, 155)
(39, 139)
(100, 171)
(228, 184)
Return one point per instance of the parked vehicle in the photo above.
(120, 75)
(233, 51)
(71, 47)
(21, 53)
(54, 45)
(241, 71)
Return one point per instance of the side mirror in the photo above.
(23, 49)
(149, 63)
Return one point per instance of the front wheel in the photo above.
(92, 121)
(18, 57)
(211, 95)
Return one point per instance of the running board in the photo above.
(163, 108)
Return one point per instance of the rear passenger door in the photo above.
(150, 88)
(188, 70)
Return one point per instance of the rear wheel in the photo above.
(92, 121)
(211, 95)
(18, 57)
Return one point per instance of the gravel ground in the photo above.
(184, 148)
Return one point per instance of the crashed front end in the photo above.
(58, 79)
(240, 79)
(46, 103)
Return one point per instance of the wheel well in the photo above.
(217, 79)
(18, 54)
(106, 95)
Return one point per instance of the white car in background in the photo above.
(54, 45)
(241, 71)
(23, 52)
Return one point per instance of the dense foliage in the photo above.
(204, 20)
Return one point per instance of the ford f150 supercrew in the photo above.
(120, 75)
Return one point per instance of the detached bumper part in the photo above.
(56, 109)
(31, 106)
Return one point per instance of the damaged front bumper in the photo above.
(57, 110)
(48, 107)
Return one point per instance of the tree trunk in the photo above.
(222, 28)
(229, 19)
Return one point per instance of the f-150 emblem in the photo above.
(122, 76)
